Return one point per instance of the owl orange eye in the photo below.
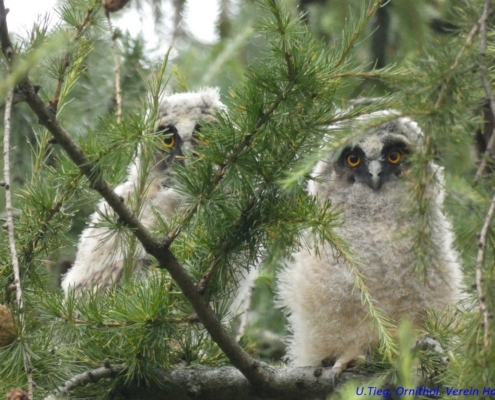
(168, 141)
(353, 160)
(394, 157)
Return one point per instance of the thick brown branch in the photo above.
(253, 370)
(257, 373)
(6, 44)
(226, 383)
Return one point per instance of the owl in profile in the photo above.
(367, 180)
(101, 253)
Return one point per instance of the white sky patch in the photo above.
(200, 17)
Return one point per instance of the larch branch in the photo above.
(116, 60)
(486, 86)
(479, 274)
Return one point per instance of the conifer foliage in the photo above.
(79, 123)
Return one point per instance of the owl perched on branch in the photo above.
(368, 180)
(101, 252)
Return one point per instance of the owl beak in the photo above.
(375, 172)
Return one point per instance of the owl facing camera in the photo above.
(101, 253)
(369, 181)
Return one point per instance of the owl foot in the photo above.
(338, 367)
(428, 343)
(335, 374)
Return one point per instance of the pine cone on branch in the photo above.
(114, 5)
(7, 327)
(17, 394)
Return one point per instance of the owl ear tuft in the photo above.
(211, 97)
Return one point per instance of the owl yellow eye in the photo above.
(394, 157)
(168, 141)
(353, 160)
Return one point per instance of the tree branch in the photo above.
(486, 86)
(479, 274)
(116, 60)
(371, 12)
(259, 374)
(467, 44)
(92, 376)
(8, 198)
(7, 48)
(153, 246)
(379, 39)
(66, 61)
(225, 383)
(5, 42)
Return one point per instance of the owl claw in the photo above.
(335, 374)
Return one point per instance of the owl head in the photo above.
(374, 159)
(179, 121)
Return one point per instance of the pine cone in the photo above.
(7, 328)
(114, 5)
(17, 394)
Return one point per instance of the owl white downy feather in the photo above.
(101, 252)
(367, 180)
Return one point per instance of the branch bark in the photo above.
(92, 376)
(116, 60)
(479, 274)
(225, 383)
(486, 86)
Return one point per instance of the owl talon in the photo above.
(335, 374)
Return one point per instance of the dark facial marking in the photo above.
(172, 143)
(353, 166)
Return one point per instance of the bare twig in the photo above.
(66, 61)
(92, 376)
(486, 86)
(371, 12)
(116, 59)
(8, 198)
(10, 222)
(467, 44)
(479, 173)
(479, 273)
